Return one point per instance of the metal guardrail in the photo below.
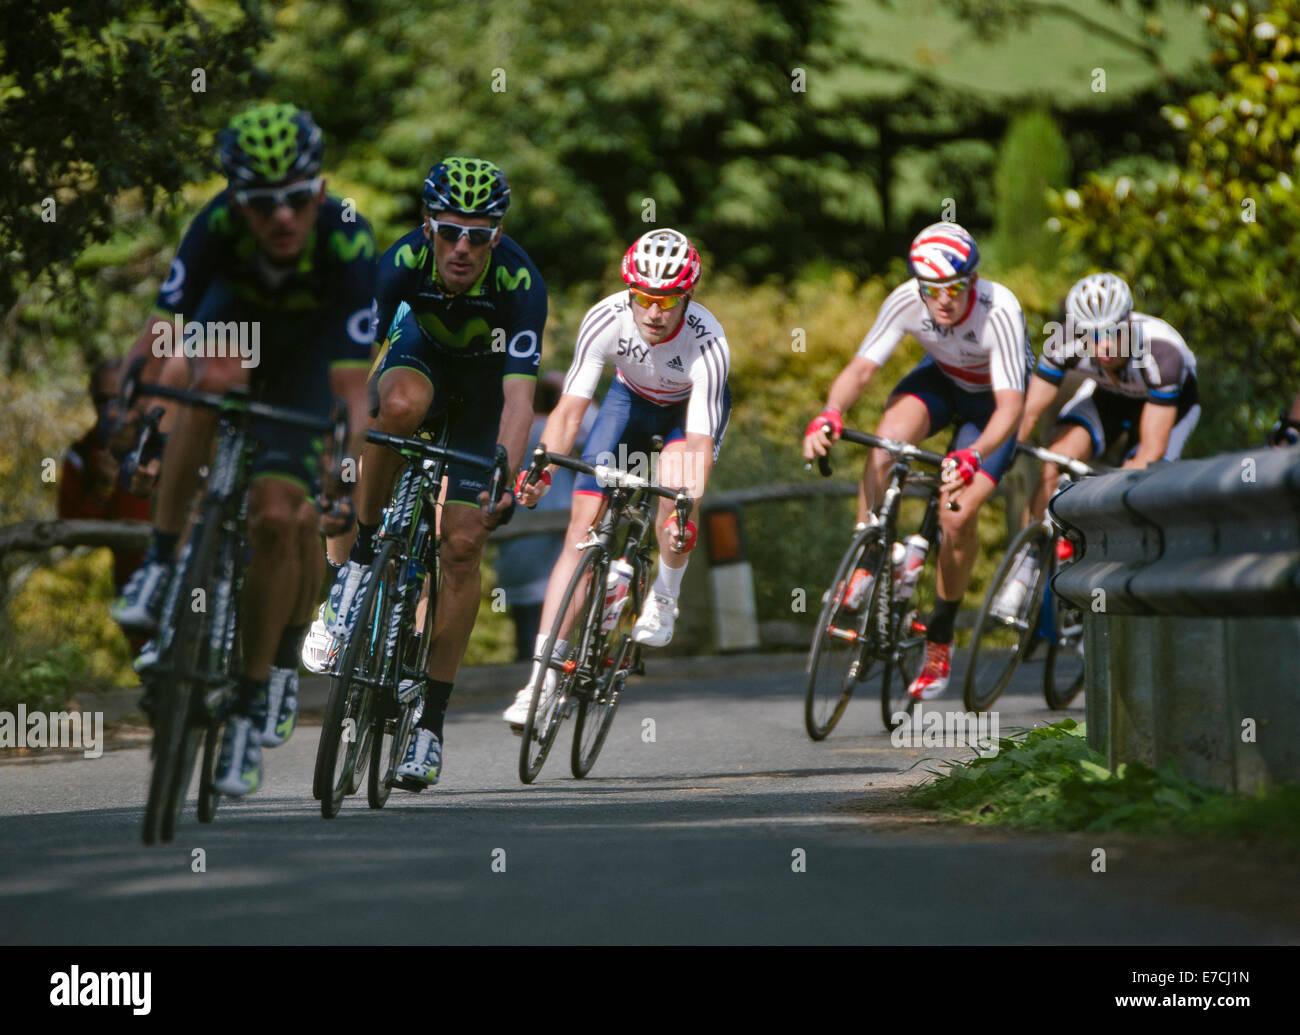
(1212, 538)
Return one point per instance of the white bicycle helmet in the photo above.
(662, 260)
(1098, 301)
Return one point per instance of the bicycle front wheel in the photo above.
(345, 733)
(1001, 635)
(585, 593)
(841, 654)
(905, 655)
(613, 664)
(1063, 670)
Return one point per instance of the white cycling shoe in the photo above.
(655, 626)
(517, 713)
(319, 648)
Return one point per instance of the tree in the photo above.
(1214, 247)
(96, 98)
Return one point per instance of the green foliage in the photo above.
(1032, 159)
(1214, 246)
(40, 677)
(1049, 778)
(98, 98)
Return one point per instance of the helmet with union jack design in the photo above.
(662, 261)
(943, 252)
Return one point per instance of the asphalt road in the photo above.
(696, 836)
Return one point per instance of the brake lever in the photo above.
(500, 471)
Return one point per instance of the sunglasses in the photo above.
(951, 290)
(662, 301)
(267, 201)
(453, 232)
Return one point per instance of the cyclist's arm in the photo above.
(564, 423)
(1037, 399)
(852, 381)
(697, 466)
(516, 417)
(1154, 428)
(1008, 406)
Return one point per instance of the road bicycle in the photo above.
(199, 642)
(1017, 609)
(886, 627)
(377, 679)
(591, 673)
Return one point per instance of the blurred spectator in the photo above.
(524, 565)
(1286, 432)
(88, 486)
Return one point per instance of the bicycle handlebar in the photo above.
(498, 467)
(899, 450)
(1077, 468)
(617, 478)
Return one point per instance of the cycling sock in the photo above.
(561, 648)
(163, 546)
(669, 580)
(436, 695)
(248, 692)
(286, 655)
(942, 619)
(363, 550)
(334, 570)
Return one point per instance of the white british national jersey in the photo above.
(692, 364)
(988, 350)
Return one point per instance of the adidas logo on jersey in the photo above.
(970, 336)
(676, 364)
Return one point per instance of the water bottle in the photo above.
(620, 577)
(908, 563)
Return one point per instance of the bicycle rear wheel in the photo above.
(999, 641)
(209, 796)
(586, 593)
(345, 732)
(842, 651)
(614, 663)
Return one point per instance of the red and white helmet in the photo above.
(662, 260)
(942, 252)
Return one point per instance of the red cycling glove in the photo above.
(671, 528)
(544, 480)
(966, 461)
(827, 416)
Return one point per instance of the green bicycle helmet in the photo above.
(467, 187)
(269, 144)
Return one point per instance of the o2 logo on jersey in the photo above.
(523, 345)
(361, 326)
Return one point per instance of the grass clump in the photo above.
(1048, 778)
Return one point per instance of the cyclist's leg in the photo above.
(916, 406)
(1070, 439)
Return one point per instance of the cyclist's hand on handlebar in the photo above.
(529, 495)
(505, 509)
(337, 515)
(821, 432)
(141, 479)
(672, 530)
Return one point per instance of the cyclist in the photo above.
(1140, 379)
(973, 376)
(671, 361)
(275, 255)
(469, 347)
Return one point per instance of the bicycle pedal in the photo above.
(405, 783)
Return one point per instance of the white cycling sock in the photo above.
(560, 649)
(668, 581)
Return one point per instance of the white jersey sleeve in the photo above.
(891, 324)
(704, 413)
(1005, 340)
(598, 332)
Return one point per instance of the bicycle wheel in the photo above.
(842, 650)
(392, 729)
(345, 732)
(174, 744)
(611, 666)
(905, 656)
(209, 796)
(1063, 669)
(543, 724)
(999, 641)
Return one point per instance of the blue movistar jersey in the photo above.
(497, 322)
(318, 307)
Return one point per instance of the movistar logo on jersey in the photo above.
(473, 329)
(408, 257)
(508, 282)
(348, 248)
(219, 220)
